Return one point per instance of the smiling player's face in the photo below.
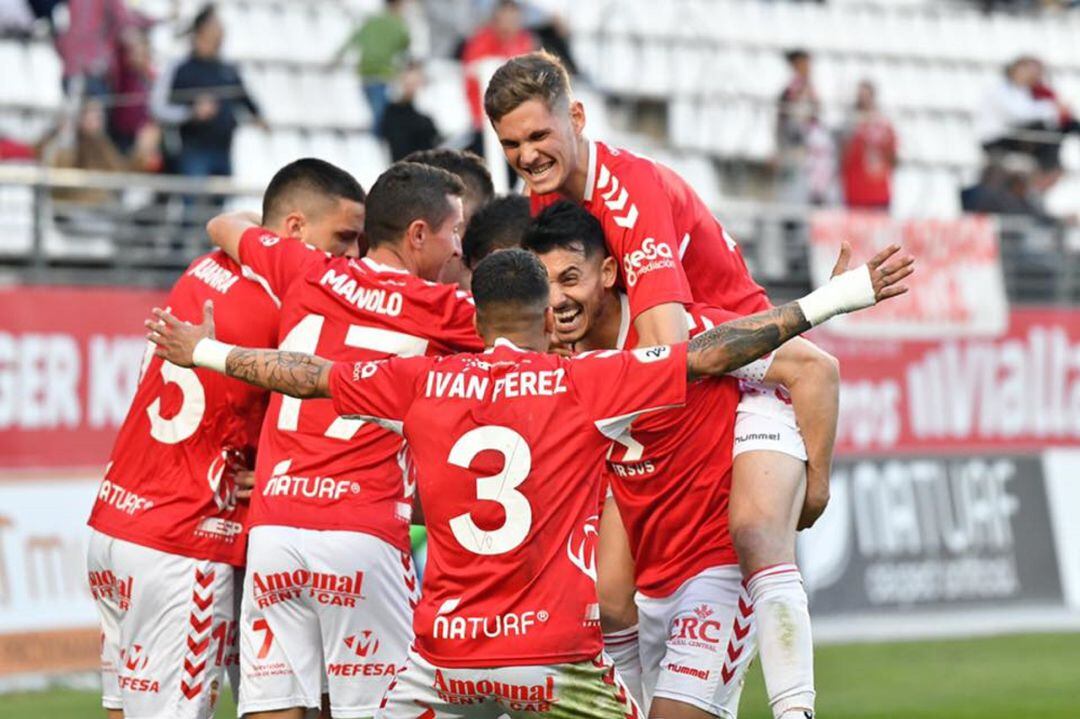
(541, 143)
(578, 284)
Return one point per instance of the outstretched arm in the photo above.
(187, 345)
(731, 345)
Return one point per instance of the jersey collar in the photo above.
(503, 342)
(590, 175)
(379, 267)
(624, 321)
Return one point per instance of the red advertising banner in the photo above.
(69, 362)
(957, 288)
(1016, 391)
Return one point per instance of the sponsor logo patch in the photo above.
(335, 590)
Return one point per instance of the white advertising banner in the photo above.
(957, 289)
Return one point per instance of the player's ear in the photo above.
(415, 234)
(294, 225)
(549, 320)
(577, 116)
(609, 272)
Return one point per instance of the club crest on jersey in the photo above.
(518, 697)
(581, 546)
(647, 355)
(335, 590)
(269, 240)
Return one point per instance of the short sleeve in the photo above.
(615, 387)
(381, 391)
(273, 261)
(640, 231)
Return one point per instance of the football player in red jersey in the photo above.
(671, 251)
(167, 529)
(672, 477)
(327, 598)
(508, 618)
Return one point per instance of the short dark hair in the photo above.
(307, 174)
(466, 165)
(404, 193)
(203, 16)
(568, 226)
(534, 76)
(513, 278)
(498, 225)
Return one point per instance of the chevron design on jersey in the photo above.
(198, 638)
(616, 198)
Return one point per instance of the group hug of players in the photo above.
(609, 437)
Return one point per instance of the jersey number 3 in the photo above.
(501, 488)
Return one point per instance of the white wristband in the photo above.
(847, 292)
(211, 354)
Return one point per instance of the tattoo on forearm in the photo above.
(291, 373)
(733, 344)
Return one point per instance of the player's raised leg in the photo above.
(766, 500)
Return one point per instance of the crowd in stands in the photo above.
(129, 111)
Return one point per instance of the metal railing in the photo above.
(145, 229)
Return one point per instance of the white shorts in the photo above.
(697, 643)
(765, 421)
(589, 689)
(323, 612)
(168, 629)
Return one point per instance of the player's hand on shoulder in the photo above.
(176, 339)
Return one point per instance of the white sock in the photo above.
(784, 641)
(622, 647)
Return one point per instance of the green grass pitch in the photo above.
(1010, 677)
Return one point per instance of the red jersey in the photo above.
(509, 448)
(867, 165)
(669, 246)
(671, 475)
(316, 470)
(166, 485)
(487, 45)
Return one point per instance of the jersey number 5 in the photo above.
(501, 488)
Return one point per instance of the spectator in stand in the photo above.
(869, 154)
(1005, 188)
(205, 95)
(502, 38)
(381, 42)
(405, 128)
(1022, 114)
(93, 211)
(88, 44)
(806, 151)
(133, 82)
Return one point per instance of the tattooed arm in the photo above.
(292, 373)
(731, 345)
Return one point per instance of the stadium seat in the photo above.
(16, 220)
(18, 86)
(365, 158)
